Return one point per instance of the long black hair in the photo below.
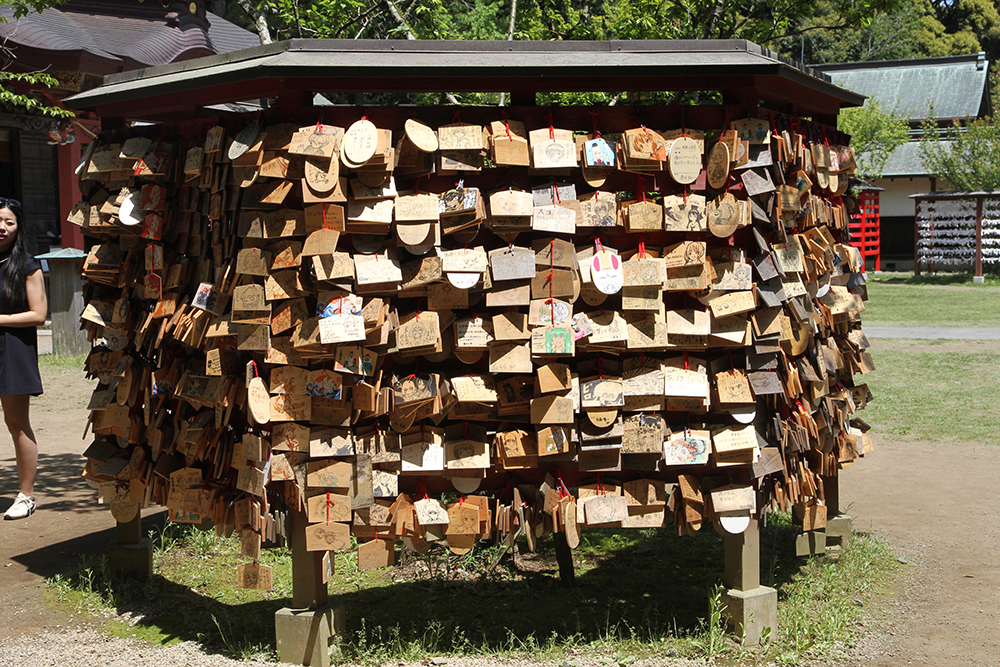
(14, 267)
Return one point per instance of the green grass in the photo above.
(464, 605)
(949, 300)
(939, 396)
(56, 362)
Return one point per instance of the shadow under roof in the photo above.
(300, 66)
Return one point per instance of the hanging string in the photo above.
(593, 116)
(330, 502)
(506, 124)
(642, 188)
(552, 269)
(552, 129)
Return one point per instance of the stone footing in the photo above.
(306, 637)
(134, 559)
(751, 615)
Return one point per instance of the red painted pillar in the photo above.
(67, 158)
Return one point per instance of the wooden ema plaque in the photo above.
(344, 321)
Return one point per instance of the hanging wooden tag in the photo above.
(723, 216)
(684, 160)
(606, 272)
(718, 165)
(259, 401)
(359, 143)
(421, 135)
(254, 576)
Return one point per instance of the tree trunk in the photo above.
(510, 38)
(259, 20)
(399, 19)
(564, 556)
(713, 19)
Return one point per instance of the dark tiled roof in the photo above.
(957, 85)
(120, 36)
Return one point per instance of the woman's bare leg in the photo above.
(15, 414)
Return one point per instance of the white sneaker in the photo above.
(22, 508)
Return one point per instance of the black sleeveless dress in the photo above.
(19, 354)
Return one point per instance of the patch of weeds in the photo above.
(817, 608)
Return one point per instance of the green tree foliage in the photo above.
(967, 156)
(762, 21)
(9, 80)
(875, 133)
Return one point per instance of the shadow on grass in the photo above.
(646, 585)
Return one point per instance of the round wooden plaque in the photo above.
(366, 244)
(401, 424)
(465, 485)
(602, 417)
(114, 339)
(260, 401)
(823, 178)
(591, 295)
(572, 527)
(734, 522)
(374, 179)
(718, 166)
(684, 160)
(460, 544)
(421, 135)
(595, 178)
(414, 234)
(800, 338)
(123, 508)
(129, 212)
(418, 544)
(606, 271)
(744, 415)
(360, 141)
(322, 173)
(465, 236)
(463, 280)
(723, 216)
(468, 357)
(842, 183)
(124, 386)
(244, 140)
(834, 181)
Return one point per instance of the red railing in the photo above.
(866, 228)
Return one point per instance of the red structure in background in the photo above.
(865, 227)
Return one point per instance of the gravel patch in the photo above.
(79, 647)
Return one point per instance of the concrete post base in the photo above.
(838, 531)
(748, 613)
(306, 637)
(134, 559)
(810, 543)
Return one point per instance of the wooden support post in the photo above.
(564, 556)
(751, 610)
(308, 588)
(131, 553)
(305, 632)
(979, 240)
(838, 526)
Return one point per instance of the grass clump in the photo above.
(820, 606)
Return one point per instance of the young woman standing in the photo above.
(23, 307)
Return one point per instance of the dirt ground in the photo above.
(935, 502)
